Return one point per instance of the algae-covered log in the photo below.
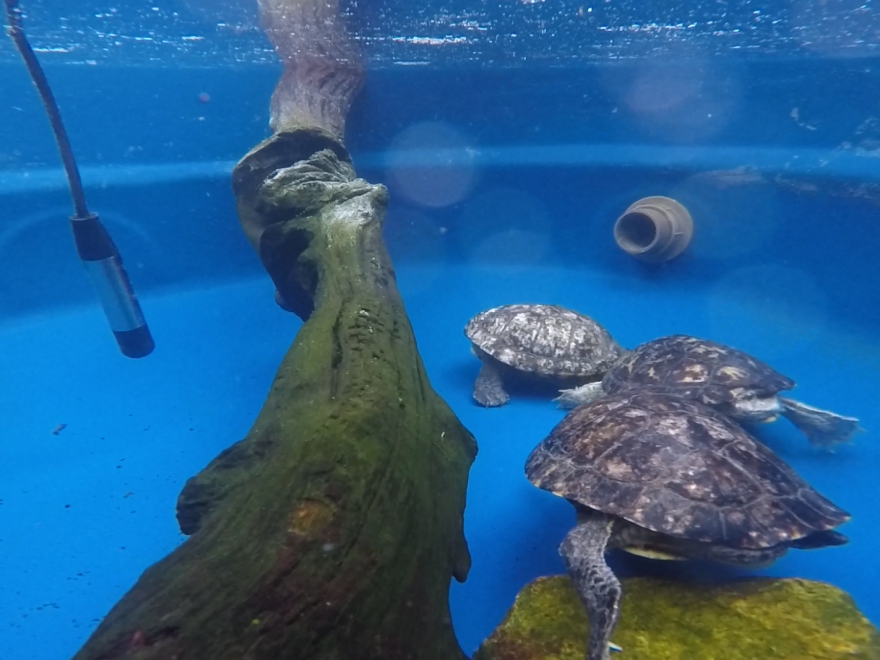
(322, 69)
(332, 530)
(745, 619)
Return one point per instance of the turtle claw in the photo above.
(490, 398)
(572, 398)
(823, 428)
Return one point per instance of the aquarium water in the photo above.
(511, 134)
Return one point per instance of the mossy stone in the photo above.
(770, 619)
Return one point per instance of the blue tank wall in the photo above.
(156, 162)
(505, 185)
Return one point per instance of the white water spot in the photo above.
(432, 164)
(506, 227)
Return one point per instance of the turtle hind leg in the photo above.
(583, 550)
(822, 428)
(489, 388)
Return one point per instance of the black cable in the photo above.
(16, 33)
(94, 246)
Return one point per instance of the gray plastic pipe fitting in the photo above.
(654, 229)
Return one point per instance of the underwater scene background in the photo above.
(511, 135)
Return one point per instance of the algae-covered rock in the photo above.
(749, 619)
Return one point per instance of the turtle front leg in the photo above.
(489, 388)
(822, 428)
(583, 551)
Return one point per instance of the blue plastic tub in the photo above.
(506, 175)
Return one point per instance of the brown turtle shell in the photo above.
(544, 339)
(679, 468)
(699, 369)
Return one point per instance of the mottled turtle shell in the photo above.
(679, 468)
(694, 368)
(544, 339)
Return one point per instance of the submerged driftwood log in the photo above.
(322, 64)
(331, 531)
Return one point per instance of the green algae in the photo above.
(331, 531)
(749, 619)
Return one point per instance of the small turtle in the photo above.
(544, 342)
(725, 378)
(666, 477)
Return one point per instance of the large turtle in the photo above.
(725, 378)
(667, 477)
(544, 342)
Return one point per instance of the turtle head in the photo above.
(753, 404)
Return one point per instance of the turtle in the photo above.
(667, 477)
(733, 382)
(541, 342)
